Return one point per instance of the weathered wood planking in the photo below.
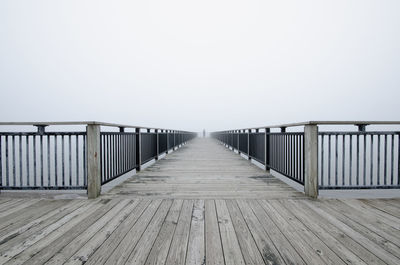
(203, 169)
(180, 211)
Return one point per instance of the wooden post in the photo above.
(311, 160)
(138, 150)
(157, 145)
(93, 161)
(266, 149)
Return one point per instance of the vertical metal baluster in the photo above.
(114, 155)
(398, 159)
(329, 160)
(336, 160)
(20, 161)
(122, 147)
(7, 163)
(343, 157)
(322, 159)
(351, 160)
(358, 159)
(378, 168)
(27, 160)
(118, 154)
(13, 160)
(101, 159)
(77, 159)
(298, 138)
(84, 161)
(385, 163)
(34, 162)
(70, 160)
(63, 160)
(372, 160)
(48, 161)
(55, 161)
(365, 160)
(41, 161)
(392, 160)
(291, 155)
(108, 158)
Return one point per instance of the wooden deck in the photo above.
(200, 205)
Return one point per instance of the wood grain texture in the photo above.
(200, 205)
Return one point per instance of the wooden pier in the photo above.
(200, 205)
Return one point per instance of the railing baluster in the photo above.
(77, 159)
(13, 160)
(20, 161)
(48, 161)
(41, 161)
(336, 160)
(351, 160)
(63, 160)
(329, 160)
(343, 158)
(372, 160)
(55, 161)
(378, 168)
(364, 159)
(392, 160)
(385, 162)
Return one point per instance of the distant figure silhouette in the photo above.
(204, 133)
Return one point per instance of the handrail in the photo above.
(106, 124)
(296, 124)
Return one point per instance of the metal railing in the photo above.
(41, 160)
(329, 160)
(82, 159)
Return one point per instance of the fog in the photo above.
(199, 64)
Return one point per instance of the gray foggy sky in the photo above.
(199, 64)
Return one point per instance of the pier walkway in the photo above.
(202, 204)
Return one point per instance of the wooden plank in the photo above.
(85, 251)
(42, 251)
(264, 243)
(196, 252)
(318, 228)
(383, 205)
(250, 251)
(318, 246)
(299, 243)
(19, 208)
(101, 255)
(390, 223)
(288, 253)
(369, 220)
(231, 249)
(361, 227)
(10, 250)
(21, 225)
(372, 249)
(159, 251)
(15, 239)
(143, 247)
(128, 242)
(104, 222)
(178, 249)
(214, 253)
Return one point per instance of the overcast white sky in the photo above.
(199, 64)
